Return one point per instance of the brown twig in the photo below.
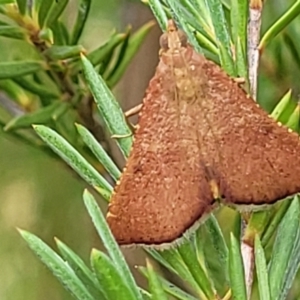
(254, 26)
(253, 30)
(248, 260)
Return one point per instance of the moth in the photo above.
(199, 140)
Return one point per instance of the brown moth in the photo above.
(199, 137)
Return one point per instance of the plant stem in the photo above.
(254, 26)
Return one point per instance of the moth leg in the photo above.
(239, 80)
(133, 111)
(121, 136)
(129, 113)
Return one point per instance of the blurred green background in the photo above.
(41, 195)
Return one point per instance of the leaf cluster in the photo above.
(46, 86)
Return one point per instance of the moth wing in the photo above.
(163, 190)
(256, 160)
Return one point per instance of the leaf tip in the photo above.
(22, 232)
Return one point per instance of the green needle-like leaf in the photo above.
(108, 107)
(276, 219)
(261, 271)
(158, 12)
(56, 10)
(158, 257)
(42, 115)
(280, 24)
(176, 8)
(72, 157)
(215, 252)
(134, 43)
(64, 52)
(110, 244)
(109, 278)
(82, 14)
(236, 270)
(292, 269)
(175, 260)
(175, 291)
(222, 34)
(22, 6)
(12, 32)
(294, 119)
(99, 152)
(43, 10)
(39, 89)
(82, 271)
(256, 224)
(169, 287)
(239, 17)
(101, 53)
(62, 271)
(7, 1)
(283, 247)
(155, 285)
(206, 44)
(60, 34)
(284, 108)
(19, 68)
(188, 254)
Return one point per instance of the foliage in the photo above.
(211, 271)
(47, 86)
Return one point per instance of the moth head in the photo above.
(174, 39)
